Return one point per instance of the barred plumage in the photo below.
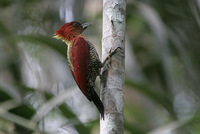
(95, 66)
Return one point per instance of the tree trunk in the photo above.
(113, 72)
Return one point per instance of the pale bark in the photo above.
(112, 79)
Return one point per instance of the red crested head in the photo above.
(69, 31)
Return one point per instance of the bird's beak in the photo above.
(85, 25)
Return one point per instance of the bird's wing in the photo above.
(80, 61)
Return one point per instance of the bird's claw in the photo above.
(110, 55)
(107, 60)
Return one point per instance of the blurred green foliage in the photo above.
(164, 41)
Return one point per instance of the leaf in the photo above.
(3, 29)
(133, 128)
(43, 40)
(67, 113)
(19, 116)
(4, 96)
(24, 111)
(5, 3)
(157, 97)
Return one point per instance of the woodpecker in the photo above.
(83, 60)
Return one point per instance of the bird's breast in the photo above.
(69, 57)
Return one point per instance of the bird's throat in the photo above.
(69, 45)
(63, 39)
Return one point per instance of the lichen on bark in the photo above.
(112, 78)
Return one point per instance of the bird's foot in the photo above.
(107, 62)
(111, 53)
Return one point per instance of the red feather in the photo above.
(80, 62)
(81, 53)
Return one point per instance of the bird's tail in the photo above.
(95, 98)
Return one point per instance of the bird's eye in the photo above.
(75, 24)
